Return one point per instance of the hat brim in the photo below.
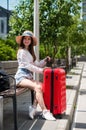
(19, 38)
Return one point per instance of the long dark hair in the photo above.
(30, 48)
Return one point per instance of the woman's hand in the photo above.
(47, 59)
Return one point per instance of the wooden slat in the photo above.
(11, 92)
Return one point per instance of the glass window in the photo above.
(2, 26)
(84, 7)
(84, 17)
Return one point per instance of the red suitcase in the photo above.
(54, 90)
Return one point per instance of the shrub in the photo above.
(6, 51)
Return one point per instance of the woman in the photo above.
(27, 64)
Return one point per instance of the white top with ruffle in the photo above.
(25, 60)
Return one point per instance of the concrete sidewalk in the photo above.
(79, 122)
(24, 123)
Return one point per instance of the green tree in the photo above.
(21, 18)
(55, 18)
(56, 23)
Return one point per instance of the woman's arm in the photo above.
(25, 60)
(43, 62)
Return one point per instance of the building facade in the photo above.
(4, 19)
(84, 10)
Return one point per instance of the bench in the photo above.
(11, 67)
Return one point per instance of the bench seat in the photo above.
(11, 92)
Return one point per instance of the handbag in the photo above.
(4, 81)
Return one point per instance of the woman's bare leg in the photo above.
(37, 87)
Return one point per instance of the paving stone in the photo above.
(72, 80)
(24, 123)
(79, 121)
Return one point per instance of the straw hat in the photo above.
(26, 33)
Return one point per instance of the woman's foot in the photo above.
(32, 112)
(48, 116)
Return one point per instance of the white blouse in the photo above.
(25, 60)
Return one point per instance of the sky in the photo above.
(12, 3)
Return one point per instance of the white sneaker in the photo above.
(32, 112)
(48, 116)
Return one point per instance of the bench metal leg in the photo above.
(1, 113)
(32, 96)
(15, 112)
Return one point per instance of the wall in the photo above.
(9, 66)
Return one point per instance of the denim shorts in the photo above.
(21, 74)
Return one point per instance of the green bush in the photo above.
(11, 43)
(7, 52)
